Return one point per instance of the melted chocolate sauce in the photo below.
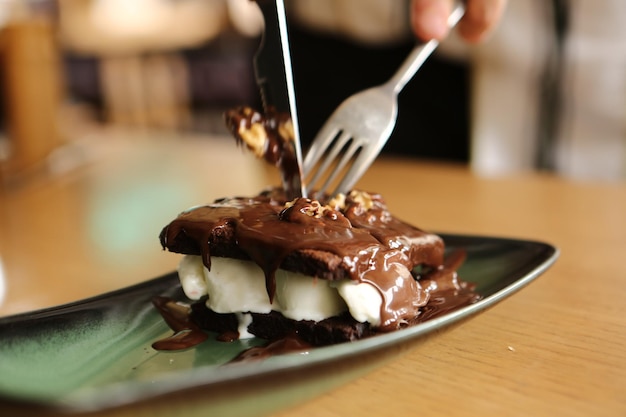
(446, 291)
(228, 336)
(177, 316)
(289, 344)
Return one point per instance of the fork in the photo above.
(361, 125)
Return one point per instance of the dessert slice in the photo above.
(326, 269)
(262, 266)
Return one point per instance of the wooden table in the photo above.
(558, 347)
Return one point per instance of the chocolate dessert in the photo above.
(326, 270)
(269, 136)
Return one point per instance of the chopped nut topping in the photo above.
(313, 208)
(285, 130)
(363, 198)
(290, 204)
(338, 202)
(255, 138)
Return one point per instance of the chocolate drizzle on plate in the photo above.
(177, 316)
(288, 344)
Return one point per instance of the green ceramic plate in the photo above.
(96, 355)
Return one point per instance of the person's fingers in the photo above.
(429, 18)
(481, 16)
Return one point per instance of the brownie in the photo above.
(274, 326)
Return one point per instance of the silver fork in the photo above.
(361, 125)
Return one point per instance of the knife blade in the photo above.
(274, 77)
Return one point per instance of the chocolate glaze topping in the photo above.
(364, 244)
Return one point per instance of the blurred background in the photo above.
(547, 91)
(71, 66)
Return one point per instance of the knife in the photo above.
(272, 66)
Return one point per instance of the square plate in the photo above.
(96, 354)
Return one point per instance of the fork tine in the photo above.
(347, 155)
(338, 143)
(359, 165)
(322, 141)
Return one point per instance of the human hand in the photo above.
(429, 18)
